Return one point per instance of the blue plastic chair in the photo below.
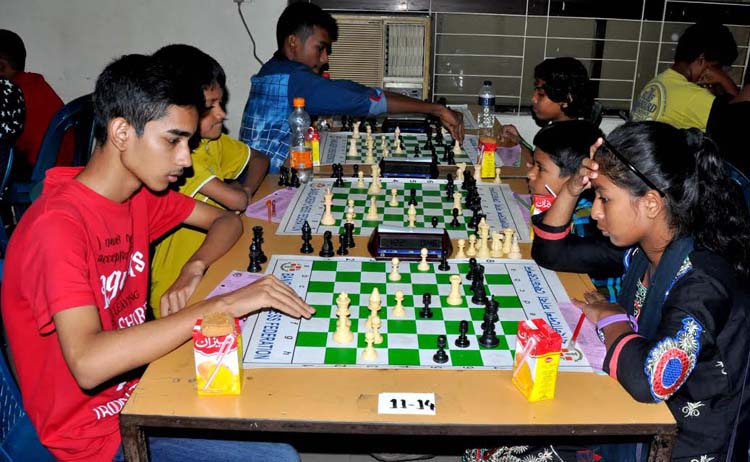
(77, 115)
(742, 181)
(18, 439)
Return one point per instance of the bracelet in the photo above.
(613, 318)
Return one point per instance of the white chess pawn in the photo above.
(327, 218)
(375, 324)
(460, 253)
(353, 148)
(457, 201)
(398, 310)
(360, 179)
(394, 200)
(454, 296)
(368, 129)
(397, 132)
(411, 216)
(515, 249)
(372, 212)
(395, 275)
(423, 265)
(498, 180)
(456, 147)
(355, 133)
(385, 150)
(471, 248)
(369, 353)
(383, 142)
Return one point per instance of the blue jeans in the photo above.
(162, 449)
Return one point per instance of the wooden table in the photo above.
(344, 401)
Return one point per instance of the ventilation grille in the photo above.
(405, 51)
(358, 53)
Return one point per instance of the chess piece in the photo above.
(355, 133)
(477, 174)
(369, 353)
(444, 266)
(471, 250)
(460, 252)
(483, 249)
(258, 235)
(343, 333)
(394, 200)
(355, 171)
(327, 218)
(454, 296)
(254, 265)
(411, 216)
(375, 324)
(353, 152)
(326, 251)
(306, 238)
(398, 310)
(412, 197)
(441, 357)
(463, 341)
(349, 217)
(498, 180)
(394, 276)
(460, 168)
(434, 221)
(423, 265)
(375, 185)
(361, 180)
(397, 132)
(454, 222)
(515, 250)
(372, 212)
(496, 250)
(397, 146)
(350, 206)
(426, 312)
(489, 338)
(457, 201)
(342, 250)
(456, 147)
(349, 232)
(508, 241)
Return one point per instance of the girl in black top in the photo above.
(679, 332)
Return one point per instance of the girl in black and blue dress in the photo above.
(679, 332)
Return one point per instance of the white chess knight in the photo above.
(355, 133)
(395, 275)
(460, 169)
(327, 218)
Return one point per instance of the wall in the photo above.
(70, 41)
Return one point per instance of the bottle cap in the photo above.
(487, 82)
(326, 75)
(298, 102)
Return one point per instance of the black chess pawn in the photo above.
(439, 136)
(434, 221)
(412, 197)
(426, 312)
(463, 340)
(339, 177)
(451, 157)
(428, 144)
(254, 265)
(327, 249)
(449, 178)
(342, 250)
(450, 189)
(480, 295)
(444, 266)
(474, 222)
(355, 169)
(258, 237)
(441, 357)
(489, 338)
(491, 308)
(454, 222)
(306, 238)
(472, 268)
(349, 235)
(417, 152)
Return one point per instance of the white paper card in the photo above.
(406, 403)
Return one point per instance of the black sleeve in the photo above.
(556, 249)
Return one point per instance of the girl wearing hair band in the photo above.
(679, 330)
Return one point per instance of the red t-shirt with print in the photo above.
(74, 248)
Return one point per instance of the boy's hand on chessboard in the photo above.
(589, 170)
(454, 123)
(596, 306)
(176, 297)
(267, 292)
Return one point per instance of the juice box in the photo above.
(537, 358)
(487, 147)
(217, 358)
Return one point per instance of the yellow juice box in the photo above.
(537, 357)
(216, 348)
(487, 147)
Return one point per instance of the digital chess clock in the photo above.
(391, 167)
(407, 243)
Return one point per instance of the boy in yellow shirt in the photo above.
(217, 158)
(683, 95)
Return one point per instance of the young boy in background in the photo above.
(677, 96)
(78, 333)
(560, 148)
(217, 158)
(304, 34)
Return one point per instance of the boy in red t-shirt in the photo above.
(76, 271)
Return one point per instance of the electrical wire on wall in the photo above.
(239, 10)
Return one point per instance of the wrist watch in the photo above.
(613, 318)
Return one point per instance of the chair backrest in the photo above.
(742, 181)
(18, 438)
(6, 163)
(77, 114)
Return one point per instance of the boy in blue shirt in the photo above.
(304, 34)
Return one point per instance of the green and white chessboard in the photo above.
(498, 203)
(523, 290)
(334, 148)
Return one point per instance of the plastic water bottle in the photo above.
(300, 153)
(487, 104)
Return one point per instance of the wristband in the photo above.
(611, 319)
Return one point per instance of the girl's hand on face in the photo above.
(596, 307)
(589, 170)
